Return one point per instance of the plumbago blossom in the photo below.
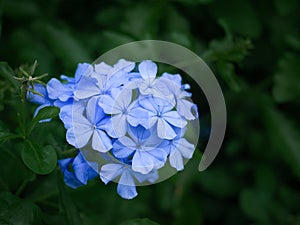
(128, 115)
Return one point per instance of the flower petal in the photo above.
(106, 125)
(94, 113)
(138, 133)
(119, 124)
(110, 172)
(126, 187)
(37, 99)
(82, 130)
(175, 78)
(120, 151)
(69, 177)
(67, 111)
(82, 169)
(114, 80)
(124, 65)
(176, 160)
(185, 148)
(100, 141)
(57, 90)
(70, 137)
(184, 108)
(148, 70)
(102, 68)
(149, 104)
(127, 142)
(108, 104)
(159, 157)
(174, 119)
(123, 98)
(139, 116)
(83, 69)
(151, 177)
(64, 163)
(142, 162)
(87, 87)
(71, 180)
(164, 130)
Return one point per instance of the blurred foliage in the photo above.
(253, 48)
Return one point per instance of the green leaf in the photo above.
(67, 206)
(8, 74)
(212, 185)
(145, 26)
(30, 48)
(109, 17)
(228, 74)
(254, 204)
(4, 136)
(175, 21)
(0, 18)
(289, 195)
(228, 50)
(195, 2)
(285, 7)
(293, 41)
(44, 113)
(144, 221)
(20, 9)
(265, 178)
(63, 44)
(41, 160)
(284, 137)
(13, 170)
(112, 39)
(18, 212)
(287, 80)
(240, 16)
(177, 27)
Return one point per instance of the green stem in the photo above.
(69, 153)
(21, 188)
(264, 84)
(3, 184)
(21, 123)
(43, 197)
(22, 118)
(49, 204)
(23, 115)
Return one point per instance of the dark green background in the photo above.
(252, 47)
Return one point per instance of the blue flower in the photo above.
(133, 120)
(126, 184)
(179, 148)
(80, 171)
(43, 100)
(184, 106)
(147, 82)
(68, 110)
(90, 127)
(63, 91)
(143, 147)
(104, 79)
(161, 115)
(123, 111)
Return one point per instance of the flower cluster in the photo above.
(133, 119)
